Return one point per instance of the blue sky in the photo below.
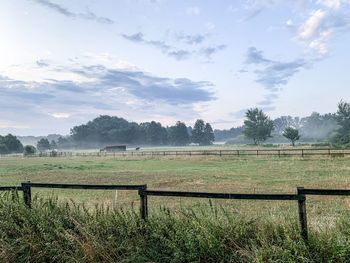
(66, 62)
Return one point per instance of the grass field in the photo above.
(197, 173)
(179, 229)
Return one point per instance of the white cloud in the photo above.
(311, 27)
(320, 44)
(60, 115)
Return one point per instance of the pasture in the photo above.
(229, 174)
(178, 229)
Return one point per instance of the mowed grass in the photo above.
(196, 173)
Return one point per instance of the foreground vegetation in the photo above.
(67, 232)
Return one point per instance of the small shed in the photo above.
(114, 148)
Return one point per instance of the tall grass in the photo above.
(53, 231)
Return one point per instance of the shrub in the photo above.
(29, 150)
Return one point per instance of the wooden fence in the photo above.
(143, 192)
(238, 152)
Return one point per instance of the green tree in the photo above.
(208, 134)
(198, 132)
(202, 133)
(11, 143)
(291, 134)
(257, 126)
(178, 134)
(64, 143)
(154, 133)
(342, 135)
(43, 144)
(29, 150)
(3, 149)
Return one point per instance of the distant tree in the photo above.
(291, 134)
(29, 150)
(198, 132)
(225, 135)
(208, 134)
(154, 133)
(202, 133)
(283, 122)
(317, 127)
(65, 142)
(43, 144)
(257, 126)
(3, 149)
(53, 145)
(342, 135)
(178, 134)
(11, 144)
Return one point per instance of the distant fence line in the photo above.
(237, 152)
(143, 192)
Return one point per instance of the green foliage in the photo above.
(10, 144)
(29, 150)
(257, 126)
(208, 135)
(202, 133)
(291, 134)
(43, 144)
(68, 232)
(154, 133)
(178, 134)
(342, 136)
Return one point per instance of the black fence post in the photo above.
(302, 213)
(27, 194)
(143, 203)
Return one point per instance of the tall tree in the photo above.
(10, 144)
(342, 135)
(43, 144)
(198, 132)
(178, 134)
(257, 126)
(291, 134)
(202, 133)
(155, 133)
(208, 134)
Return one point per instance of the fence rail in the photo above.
(237, 152)
(300, 196)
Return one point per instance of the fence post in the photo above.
(302, 152)
(220, 153)
(302, 213)
(237, 152)
(143, 203)
(27, 194)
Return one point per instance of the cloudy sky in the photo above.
(65, 62)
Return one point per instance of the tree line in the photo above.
(107, 130)
(257, 128)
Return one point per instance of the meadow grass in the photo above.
(197, 173)
(55, 231)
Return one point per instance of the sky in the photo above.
(64, 62)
